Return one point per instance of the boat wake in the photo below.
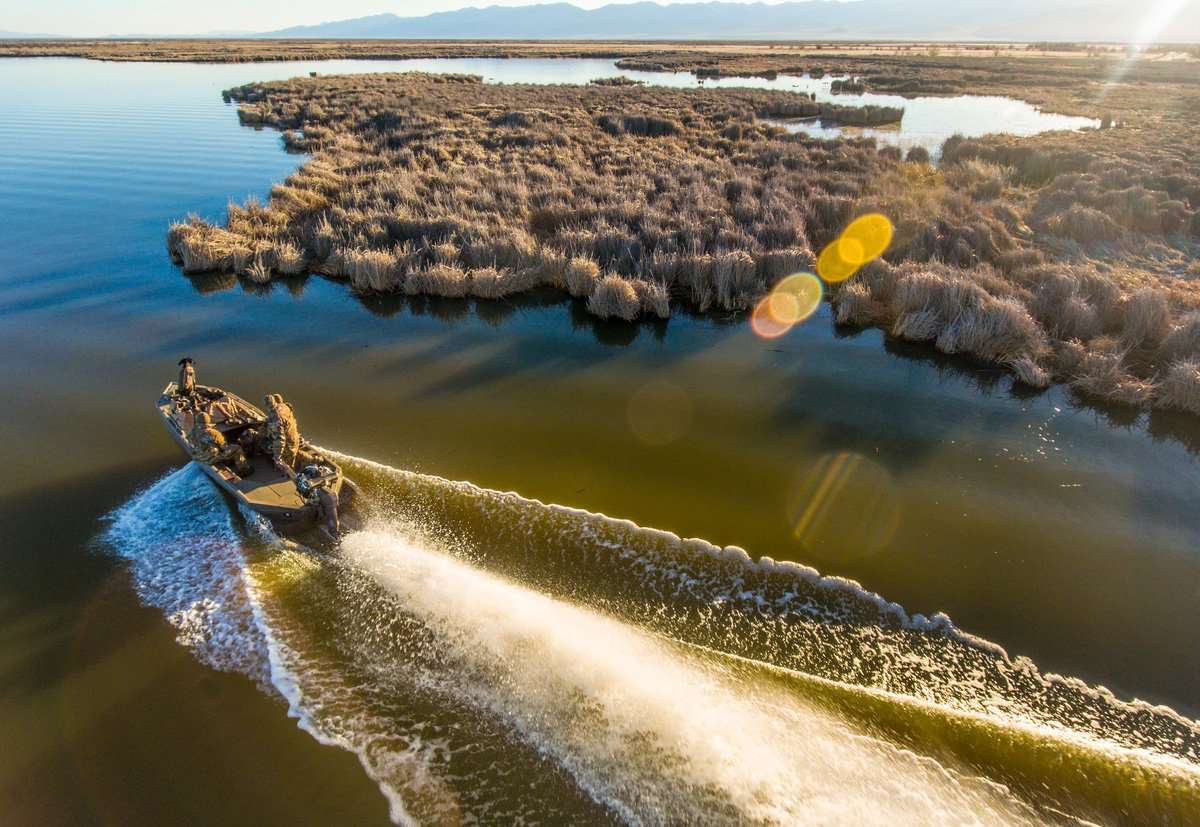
(188, 559)
(488, 657)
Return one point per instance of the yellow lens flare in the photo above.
(834, 265)
(865, 239)
(851, 251)
(790, 302)
(795, 298)
(873, 231)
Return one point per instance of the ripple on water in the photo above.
(551, 673)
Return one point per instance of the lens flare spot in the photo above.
(795, 298)
(852, 251)
(660, 413)
(783, 307)
(764, 324)
(834, 265)
(873, 232)
(846, 506)
(865, 239)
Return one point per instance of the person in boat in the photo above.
(210, 446)
(282, 432)
(187, 378)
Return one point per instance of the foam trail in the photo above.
(306, 686)
(707, 683)
(659, 737)
(781, 613)
(187, 559)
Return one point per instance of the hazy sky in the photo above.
(101, 17)
(83, 18)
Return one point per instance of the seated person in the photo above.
(209, 446)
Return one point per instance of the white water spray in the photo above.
(188, 560)
(657, 735)
(466, 695)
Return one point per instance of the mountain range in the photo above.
(23, 36)
(1003, 20)
(1108, 20)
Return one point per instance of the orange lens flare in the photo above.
(783, 307)
(795, 298)
(790, 302)
(865, 239)
(763, 324)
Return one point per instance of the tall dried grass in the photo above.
(639, 183)
(615, 297)
(633, 198)
(1180, 386)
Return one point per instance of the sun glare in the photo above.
(865, 239)
(789, 303)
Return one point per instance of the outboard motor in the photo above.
(317, 483)
(314, 476)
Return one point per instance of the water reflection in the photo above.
(1113, 414)
(845, 506)
(295, 284)
(983, 378)
(929, 121)
(208, 283)
(1174, 426)
(614, 332)
(494, 312)
(532, 393)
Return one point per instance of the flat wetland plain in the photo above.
(549, 290)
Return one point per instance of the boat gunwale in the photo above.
(302, 514)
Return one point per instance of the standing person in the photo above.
(283, 434)
(187, 377)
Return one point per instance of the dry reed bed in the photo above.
(1072, 82)
(1062, 257)
(1093, 281)
(442, 185)
(240, 50)
(1081, 84)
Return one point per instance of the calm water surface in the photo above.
(928, 121)
(1058, 531)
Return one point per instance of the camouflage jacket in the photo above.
(207, 445)
(283, 434)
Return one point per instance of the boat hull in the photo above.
(267, 491)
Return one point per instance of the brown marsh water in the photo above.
(481, 656)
